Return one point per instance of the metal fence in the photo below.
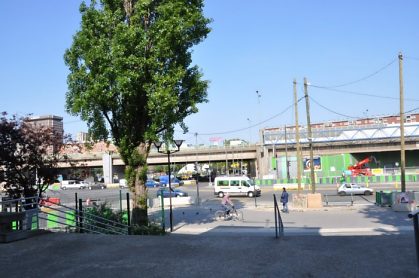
(279, 225)
(37, 213)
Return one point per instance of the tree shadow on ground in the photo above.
(386, 216)
(192, 214)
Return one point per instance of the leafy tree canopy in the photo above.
(130, 68)
(28, 156)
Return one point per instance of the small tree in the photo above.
(28, 157)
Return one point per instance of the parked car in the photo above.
(355, 189)
(97, 185)
(174, 193)
(123, 183)
(164, 181)
(73, 184)
(151, 183)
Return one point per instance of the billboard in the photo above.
(317, 163)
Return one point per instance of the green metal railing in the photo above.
(40, 214)
(279, 225)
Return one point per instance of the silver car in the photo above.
(73, 184)
(96, 185)
(354, 189)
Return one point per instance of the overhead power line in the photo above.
(330, 110)
(351, 117)
(72, 122)
(410, 111)
(363, 78)
(254, 125)
(361, 94)
(411, 58)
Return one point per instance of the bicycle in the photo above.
(232, 215)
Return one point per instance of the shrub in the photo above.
(150, 229)
(95, 224)
(104, 210)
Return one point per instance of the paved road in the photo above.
(205, 193)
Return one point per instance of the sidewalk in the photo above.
(200, 247)
(343, 220)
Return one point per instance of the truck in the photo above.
(361, 168)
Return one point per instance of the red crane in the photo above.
(360, 168)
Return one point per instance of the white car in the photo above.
(123, 183)
(354, 189)
(73, 184)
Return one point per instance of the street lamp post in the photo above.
(258, 110)
(250, 131)
(158, 145)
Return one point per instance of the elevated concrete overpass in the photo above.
(220, 154)
(277, 143)
(185, 155)
(257, 156)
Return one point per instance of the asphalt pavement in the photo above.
(345, 241)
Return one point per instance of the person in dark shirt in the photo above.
(284, 200)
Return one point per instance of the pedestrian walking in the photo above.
(284, 200)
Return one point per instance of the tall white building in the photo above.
(50, 121)
(82, 137)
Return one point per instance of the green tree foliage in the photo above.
(131, 76)
(28, 157)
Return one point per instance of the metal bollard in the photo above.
(163, 220)
(128, 214)
(81, 216)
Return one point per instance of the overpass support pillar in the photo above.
(107, 167)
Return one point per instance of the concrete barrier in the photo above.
(112, 185)
(404, 201)
(176, 201)
(292, 186)
(189, 182)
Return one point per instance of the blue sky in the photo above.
(254, 46)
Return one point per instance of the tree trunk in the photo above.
(138, 189)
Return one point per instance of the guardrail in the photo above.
(326, 198)
(28, 207)
(414, 215)
(279, 225)
(79, 220)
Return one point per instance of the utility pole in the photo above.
(402, 153)
(310, 138)
(258, 112)
(286, 153)
(250, 131)
(297, 137)
(226, 168)
(274, 159)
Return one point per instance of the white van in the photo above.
(240, 185)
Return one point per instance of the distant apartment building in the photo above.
(50, 121)
(82, 137)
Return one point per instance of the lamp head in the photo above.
(178, 143)
(158, 144)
